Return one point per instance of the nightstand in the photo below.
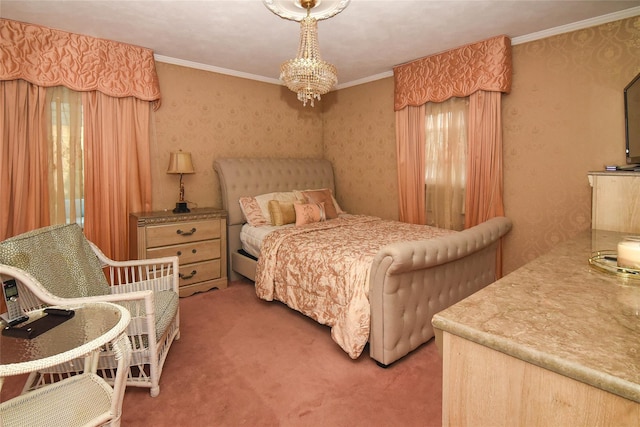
(198, 238)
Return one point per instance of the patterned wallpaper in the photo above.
(563, 118)
(213, 115)
(359, 140)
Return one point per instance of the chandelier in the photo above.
(307, 74)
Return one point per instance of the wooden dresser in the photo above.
(198, 238)
(554, 343)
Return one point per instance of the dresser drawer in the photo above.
(199, 272)
(177, 233)
(188, 252)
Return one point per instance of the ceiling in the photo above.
(364, 41)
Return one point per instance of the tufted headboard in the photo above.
(254, 176)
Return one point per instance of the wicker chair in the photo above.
(64, 268)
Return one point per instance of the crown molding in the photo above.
(214, 69)
(592, 22)
(365, 80)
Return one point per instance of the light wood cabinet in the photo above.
(615, 203)
(553, 343)
(484, 387)
(197, 238)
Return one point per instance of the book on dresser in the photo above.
(198, 238)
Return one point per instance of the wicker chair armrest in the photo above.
(158, 274)
(36, 294)
(146, 295)
(106, 261)
(141, 307)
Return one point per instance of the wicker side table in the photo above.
(84, 399)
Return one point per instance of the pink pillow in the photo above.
(252, 212)
(308, 213)
(322, 196)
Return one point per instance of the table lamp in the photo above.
(180, 163)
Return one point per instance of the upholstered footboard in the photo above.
(412, 281)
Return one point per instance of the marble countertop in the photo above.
(559, 313)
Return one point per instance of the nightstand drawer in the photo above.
(177, 233)
(199, 272)
(188, 252)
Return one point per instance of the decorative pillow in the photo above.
(252, 212)
(281, 212)
(263, 201)
(308, 213)
(322, 196)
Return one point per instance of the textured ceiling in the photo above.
(244, 38)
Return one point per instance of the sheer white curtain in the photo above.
(446, 162)
(65, 138)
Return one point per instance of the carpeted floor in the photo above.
(243, 361)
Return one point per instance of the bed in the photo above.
(405, 282)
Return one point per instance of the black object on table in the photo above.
(52, 318)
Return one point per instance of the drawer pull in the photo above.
(194, 251)
(179, 253)
(186, 233)
(182, 276)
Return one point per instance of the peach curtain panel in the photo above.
(410, 128)
(118, 177)
(484, 172)
(24, 194)
(484, 162)
(120, 87)
(48, 57)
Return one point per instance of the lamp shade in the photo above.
(180, 162)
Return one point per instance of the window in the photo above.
(445, 162)
(66, 148)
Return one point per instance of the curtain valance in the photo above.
(485, 65)
(48, 57)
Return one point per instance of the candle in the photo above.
(629, 253)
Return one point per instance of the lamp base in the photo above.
(181, 207)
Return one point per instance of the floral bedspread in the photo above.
(322, 270)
